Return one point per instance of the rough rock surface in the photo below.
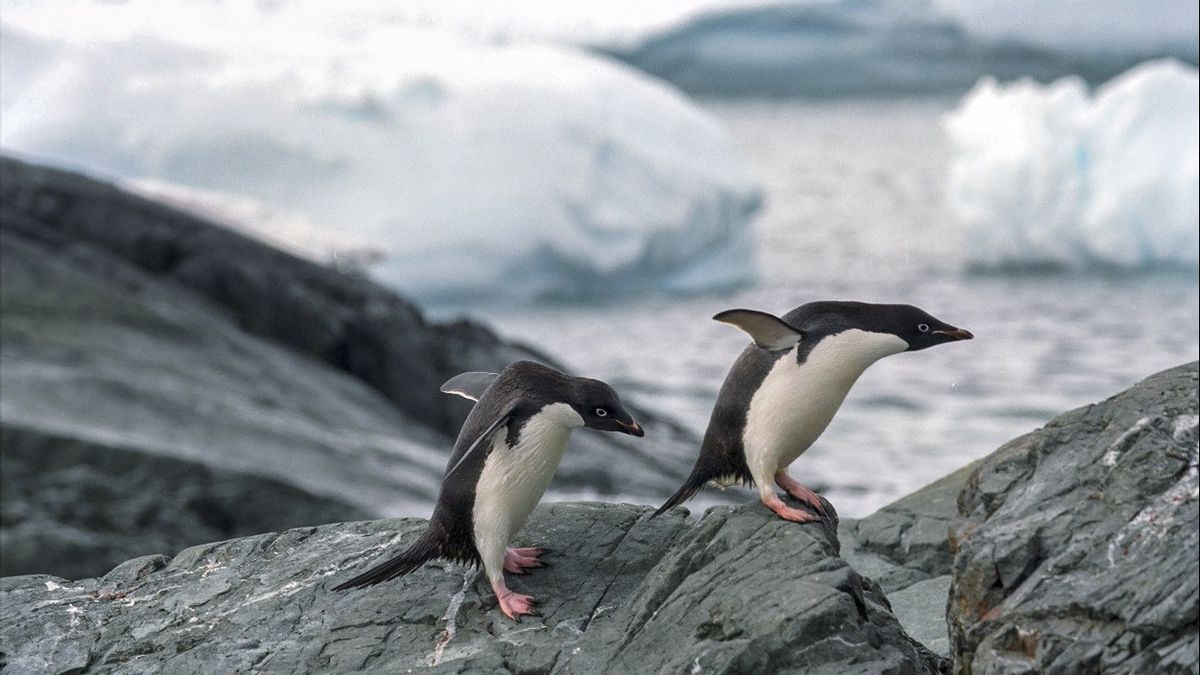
(341, 319)
(131, 330)
(73, 505)
(905, 548)
(1077, 545)
(739, 592)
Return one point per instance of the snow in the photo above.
(456, 167)
(1051, 176)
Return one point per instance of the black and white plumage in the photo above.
(787, 385)
(506, 453)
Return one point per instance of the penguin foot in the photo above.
(514, 605)
(799, 492)
(788, 513)
(517, 560)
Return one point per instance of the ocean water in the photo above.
(853, 210)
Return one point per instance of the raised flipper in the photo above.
(767, 330)
(469, 385)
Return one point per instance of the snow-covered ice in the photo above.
(1050, 176)
(458, 166)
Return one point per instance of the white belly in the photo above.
(514, 479)
(797, 401)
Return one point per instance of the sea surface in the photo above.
(853, 210)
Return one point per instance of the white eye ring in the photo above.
(601, 412)
(923, 327)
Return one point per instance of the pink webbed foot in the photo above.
(788, 513)
(517, 560)
(798, 491)
(514, 605)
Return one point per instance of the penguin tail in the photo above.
(689, 490)
(414, 556)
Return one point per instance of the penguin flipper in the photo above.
(469, 385)
(414, 556)
(480, 440)
(767, 330)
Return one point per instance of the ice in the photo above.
(1048, 176)
(833, 48)
(456, 167)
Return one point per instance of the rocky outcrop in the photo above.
(1073, 549)
(339, 318)
(74, 505)
(167, 381)
(905, 549)
(741, 591)
(1077, 545)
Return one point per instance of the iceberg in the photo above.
(453, 167)
(1048, 176)
(833, 48)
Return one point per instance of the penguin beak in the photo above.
(633, 428)
(955, 333)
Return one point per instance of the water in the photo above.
(853, 210)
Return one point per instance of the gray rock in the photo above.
(132, 413)
(238, 388)
(741, 591)
(74, 505)
(905, 548)
(1077, 547)
(339, 318)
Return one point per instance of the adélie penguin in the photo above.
(507, 450)
(787, 385)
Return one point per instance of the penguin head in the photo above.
(916, 327)
(920, 329)
(601, 408)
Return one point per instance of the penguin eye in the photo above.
(601, 412)
(923, 327)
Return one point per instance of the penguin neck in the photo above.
(844, 356)
(559, 416)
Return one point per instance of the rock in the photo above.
(75, 505)
(740, 591)
(904, 547)
(192, 384)
(1076, 547)
(138, 420)
(325, 314)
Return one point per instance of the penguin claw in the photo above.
(516, 605)
(528, 552)
(800, 493)
(517, 560)
(788, 513)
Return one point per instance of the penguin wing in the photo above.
(767, 330)
(482, 440)
(469, 385)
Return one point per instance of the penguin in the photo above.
(787, 385)
(506, 452)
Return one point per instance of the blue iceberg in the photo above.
(453, 167)
(1049, 176)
